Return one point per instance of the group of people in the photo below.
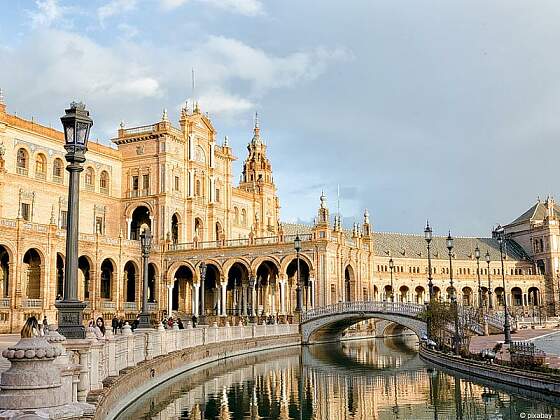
(169, 322)
(32, 327)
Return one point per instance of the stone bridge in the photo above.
(328, 323)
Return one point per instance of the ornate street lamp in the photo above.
(77, 124)
(454, 302)
(145, 245)
(499, 234)
(477, 256)
(297, 247)
(202, 269)
(391, 267)
(428, 237)
(489, 282)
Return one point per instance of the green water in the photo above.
(363, 379)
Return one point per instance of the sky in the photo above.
(440, 110)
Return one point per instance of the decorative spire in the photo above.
(121, 125)
(323, 199)
(196, 108)
(164, 117)
(257, 131)
(1, 97)
(366, 217)
(226, 141)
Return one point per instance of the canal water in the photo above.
(360, 379)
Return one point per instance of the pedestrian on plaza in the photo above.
(180, 323)
(115, 324)
(30, 328)
(59, 297)
(170, 322)
(121, 324)
(194, 319)
(135, 322)
(45, 324)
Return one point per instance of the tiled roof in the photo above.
(414, 246)
(536, 212)
(293, 228)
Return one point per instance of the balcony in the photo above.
(57, 179)
(152, 307)
(129, 306)
(5, 302)
(107, 304)
(21, 171)
(89, 187)
(31, 303)
(41, 175)
(138, 193)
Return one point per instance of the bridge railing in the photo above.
(401, 308)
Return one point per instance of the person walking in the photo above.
(45, 324)
(115, 324)
(194, 319)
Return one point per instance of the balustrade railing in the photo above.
(107, 304)
(31, 303)
(152, 307)
(5, 302)
(129, 306)
(403, 308)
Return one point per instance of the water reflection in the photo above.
(365, 379)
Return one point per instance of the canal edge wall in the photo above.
(133, 382)
(524, 380)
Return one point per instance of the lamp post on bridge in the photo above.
(499, 234)
(297, 247)
(489, 282)
(146, 245)
(428, 237)
(77, 124)
(202, 269)
(477, 256)
(454, 303)
(391, 267)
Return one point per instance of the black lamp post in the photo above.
(428, 237)
(202, 269)
(297, 247)
(499, 234)
(76, 123)
(454, 302)
(146, 245)
(391, 267)
(477, 256)
(489, 282)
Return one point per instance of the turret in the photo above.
(257, 170)
(321, 222)
(367, 226)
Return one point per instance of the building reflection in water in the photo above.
(366, 379)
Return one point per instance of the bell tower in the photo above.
(257, 169)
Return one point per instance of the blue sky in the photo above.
(417, 109)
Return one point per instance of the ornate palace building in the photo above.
(178, 180)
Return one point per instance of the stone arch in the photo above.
(22, 159)
(533, 296)
(175, 227)
(290, 257)
(60, 261)
(516, 296)
(404, 294)
(198, 232)
(236, 291)
(175, 266)
(219, 232)
(467, 296)
(130, 280)
(230, 262)
(153, 272)
(107, 271)
(182, 281)
(40, 165)
(349, 283)
(306, 285)
(211, 288)
(419, 294)
(84, 276)
(259, 260)
(6, 258)
(33, 261)
(89, 176)
(139, 216)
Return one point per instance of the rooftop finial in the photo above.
(226, 141)
(122, 124)
(366, 217)
(256, 120)
(196, 108)
(257, 131)
(323, 199)
(1, 97)
(164, 117)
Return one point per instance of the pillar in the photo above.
(129, 232)
(283, 297)
(169, 299)
(244, 299)
(224, 294)
(273, 298)
(312, 291)
(196, 306)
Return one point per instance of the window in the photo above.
(197, 188)
(26, 211)
(243, 217)
(218, 195)
(104, 182)
(22, 162)
(236, 215)
(176, 185)
(57, 170)
(135, 183)
(63, 219)
(99, 225)
(90, 179)
(40, 166)
(146, 182)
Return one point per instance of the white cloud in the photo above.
(47, 12)
(242, 7)
(128, 31)
(115, 7)
(220, 103)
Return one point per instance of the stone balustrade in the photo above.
(88, 362)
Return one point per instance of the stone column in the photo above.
(273, 298)
(244, 299)
(253, 298)
(196, 307)
(202, 300)
(283, 297)
(169, 299)
(312, 292)
(129, 231)
(224, 294)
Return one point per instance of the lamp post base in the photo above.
(144, 321)
(70, 319)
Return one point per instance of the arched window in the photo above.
(22, 164)
(243, 217)
(236, 215)
(104, 182)
(40, 166)
(197, 188)
(90, 178)
(217, 195)
(58, 168)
